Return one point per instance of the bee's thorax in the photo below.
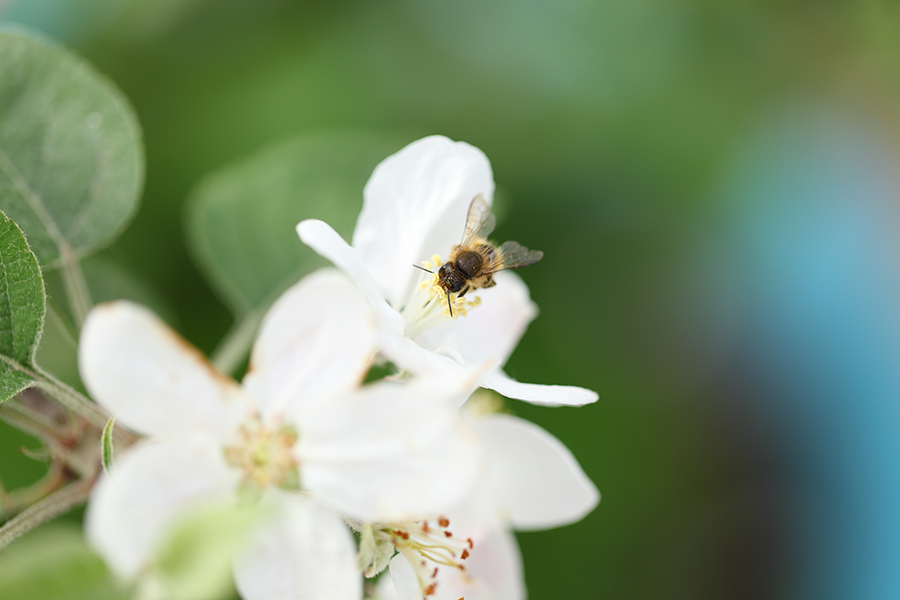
(469, 263)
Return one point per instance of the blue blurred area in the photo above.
(814, 211)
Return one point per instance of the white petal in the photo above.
(317, 340)
(412, 357)
(534, 478)
(390, 452)
(490, 331)
(406, 584)
(494, 571)
(150, 378)
(303, 553)
(319, 236)
(415, 205)
(151, 488)
(544, 395)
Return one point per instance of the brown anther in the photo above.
(434, 573)
(401, 533)
(448, 534)
(464, 555)
(443, 521)
(471, 543)
(430, 589)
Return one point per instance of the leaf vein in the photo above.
(35, 202)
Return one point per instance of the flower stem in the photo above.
(52, 506)
(71, 399)
(31, 422)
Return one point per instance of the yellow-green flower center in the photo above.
(265, 455)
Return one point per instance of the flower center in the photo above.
(429, 304)
(264, 454)
(429, 546)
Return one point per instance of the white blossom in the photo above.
(301, 433)
(532, 482)
(415, 208)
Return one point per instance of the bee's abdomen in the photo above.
(469, 263)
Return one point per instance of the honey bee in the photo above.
(472, 263)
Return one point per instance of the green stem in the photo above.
(235, 346)
(52, 506)
(75, 285)
(63, 324)
(31, 422)
(72, 399)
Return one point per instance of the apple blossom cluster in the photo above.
(409, 486)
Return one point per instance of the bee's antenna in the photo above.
(449, 305)
(424, 269)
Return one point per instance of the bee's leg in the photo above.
(489, 281)
(463, 293)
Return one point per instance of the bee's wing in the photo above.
(512, 255)
(480, 222)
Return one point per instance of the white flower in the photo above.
(415, 207)
(532, 482)
(299, 431)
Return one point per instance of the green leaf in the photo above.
(106, 445)
(241, 219)
(71, 159)
(21, 310)
(54, 563)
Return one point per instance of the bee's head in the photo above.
(450, 278)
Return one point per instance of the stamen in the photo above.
(428, 546)
(264, 454)
(429, 305)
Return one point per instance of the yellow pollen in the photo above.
(461, 306)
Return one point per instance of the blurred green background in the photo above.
(665, 155)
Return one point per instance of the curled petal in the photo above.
(148, 491)
(544, 395)
(410, 356)
(319, 236)
(302, 552)
(406, 584)
(150, 378)
(533, 478)
(317, 340)
(415, 206)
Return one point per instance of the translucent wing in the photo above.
(480, 222)
(512, 255)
